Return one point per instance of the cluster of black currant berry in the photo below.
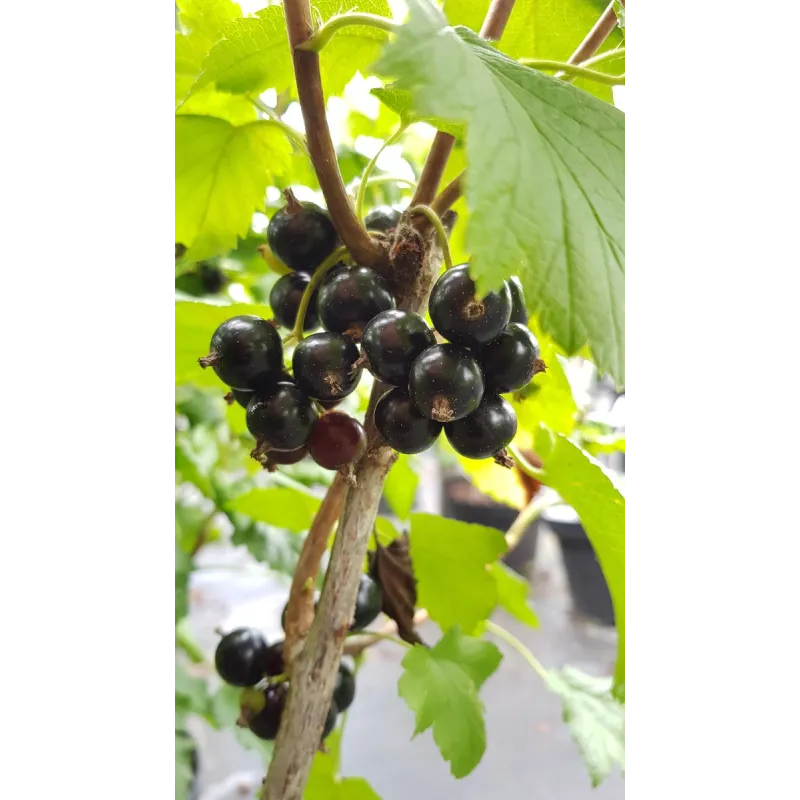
(455, 386)
(244, 658)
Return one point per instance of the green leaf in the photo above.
(441, 686)
(189, 522)
(582, 483)
(206, 18)
(595, 720)
(195, 323)
(353, 48)
(450, 561)
(550, 29)
(232, 108)
(399, 101)
(619, 10)
(184, 748)
(279, 506)
(386, 532)
(512, 594)
(221, 175)
(253, 56)
(545, 183)
(552, 404)
(324, 782)
(196, 453)
(183, 567)
(191, 693)
(401, 487)
(226, 709)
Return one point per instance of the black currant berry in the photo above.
(323, 366)
(368, 603)
(392, 341)
(336, 439)
(445, 383)
(212, 277)
(273, 660)
(241, 657)
(240, 396)
(301, 234)
(460, 316)
(281, 418)
(402, 426)
(519, 312)
(350, 298)
(276, 458)
(285, 298)
(330, 721)
(267, 720)
(245, 351)
(486, 431)
(344, 691)
(509, 362)
(383, 218)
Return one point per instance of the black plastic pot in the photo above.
(587, 584)
(492, 515)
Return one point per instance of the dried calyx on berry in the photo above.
(325, 366)
(446, 383)
(461, 316)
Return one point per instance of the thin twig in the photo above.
(355, 645)
(300, 610)
(318, 137)
(449, 194)
(596, 36)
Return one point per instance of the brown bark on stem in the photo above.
(318, 136)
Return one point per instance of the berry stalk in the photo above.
(316, 279)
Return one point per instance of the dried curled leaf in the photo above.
(391, 567)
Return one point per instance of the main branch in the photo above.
(318, 136)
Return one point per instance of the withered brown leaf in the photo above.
(391, 567)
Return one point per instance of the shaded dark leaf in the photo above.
(391, 567)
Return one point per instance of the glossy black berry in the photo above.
(392, 341)
(368, 603)
(383, 218)
(301, 234)
(281, 418)
(344, 690)
(402, 426)
(285, 297)
(330, 721)
(241, 657)
(323, 366)
(266, 722)
(350, 298)
(463, 318)
(509, 362)
(240, 396)
(273, 660)
(519, 311)
(276, 458)
(245, 351)
(484, 432)
(336, 439)
(445, 383)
